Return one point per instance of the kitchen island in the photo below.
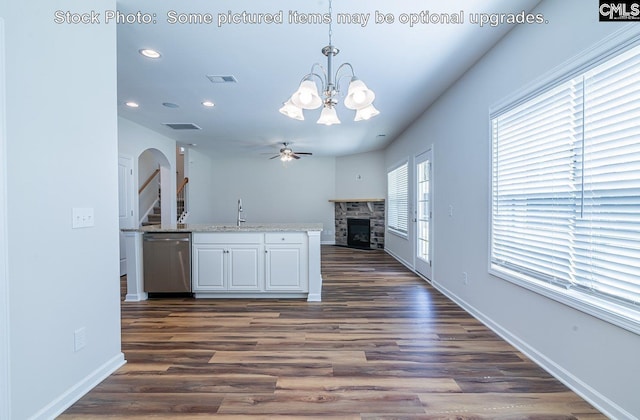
(269, 260)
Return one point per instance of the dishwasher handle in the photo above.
(152, 239)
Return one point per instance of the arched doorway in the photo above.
(155, 186)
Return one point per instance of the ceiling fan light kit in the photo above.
(359, 97)
(286, 154)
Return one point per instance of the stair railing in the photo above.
(181, 197)
(148, 181)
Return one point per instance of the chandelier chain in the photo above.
(330, 22)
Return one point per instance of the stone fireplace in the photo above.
(366, 212)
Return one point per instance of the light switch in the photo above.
(82, 217)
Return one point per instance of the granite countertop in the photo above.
(220, 227)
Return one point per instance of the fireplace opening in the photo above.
(359, 233)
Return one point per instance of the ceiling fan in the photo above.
(287, 154)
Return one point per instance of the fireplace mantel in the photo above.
(356, 200)
(369, 201)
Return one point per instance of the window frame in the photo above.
(618, 314)
(393, 229)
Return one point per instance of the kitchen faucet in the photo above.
(240, 219)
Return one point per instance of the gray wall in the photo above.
(361, 176)
(61, 140)
(594, 357)
(270, 191)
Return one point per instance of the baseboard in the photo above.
(599, 401)
(314, 297)
(136, 297)
(73, 394)
(328, 242)
(401, 261)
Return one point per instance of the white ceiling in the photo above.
(407, 67)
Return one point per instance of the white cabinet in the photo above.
(227, 262)
(244, 267)
(208, 271)
(250, 264)
(285, 262)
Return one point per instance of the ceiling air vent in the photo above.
(182, 126)
(222, 79)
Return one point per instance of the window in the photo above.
(397, 198)
(565, 212)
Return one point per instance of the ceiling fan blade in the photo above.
(273, 157)
(303, 153)
(293, 155)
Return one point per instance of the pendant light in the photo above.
(359, 97)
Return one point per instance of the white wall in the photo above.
(597, 359)
(270, 191)
(5, 400)
(361, 176)
(61, 140)
(133, 140)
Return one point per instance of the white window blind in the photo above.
(566, 186)
(397, 198)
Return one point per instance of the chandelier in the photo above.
(359, 97)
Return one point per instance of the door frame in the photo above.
(414, 183)
(130, 221)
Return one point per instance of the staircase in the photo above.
(154, 218)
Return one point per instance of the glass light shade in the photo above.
(292, 111)
(359, 95)
(306, 97)
(328, 116)
(366, 113)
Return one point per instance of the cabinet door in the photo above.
(208, 268)
(284, 268)
(244, 266)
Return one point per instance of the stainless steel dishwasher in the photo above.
(166, 260)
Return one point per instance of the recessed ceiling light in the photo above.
(149, 53)
(208, 104)
(131, 104)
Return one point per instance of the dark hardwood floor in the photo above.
(383, 344)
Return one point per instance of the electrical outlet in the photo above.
(79, 339)
(450, 210)
(465, 278)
